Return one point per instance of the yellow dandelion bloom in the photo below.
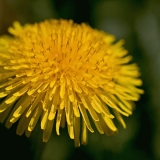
(60, 71)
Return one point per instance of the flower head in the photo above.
(58, 71)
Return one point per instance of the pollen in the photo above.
(61, 73)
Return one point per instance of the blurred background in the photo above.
(135, 21)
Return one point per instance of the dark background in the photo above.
(135, 21)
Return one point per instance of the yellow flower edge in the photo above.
(61, 71)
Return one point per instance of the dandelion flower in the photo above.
(65, 74)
